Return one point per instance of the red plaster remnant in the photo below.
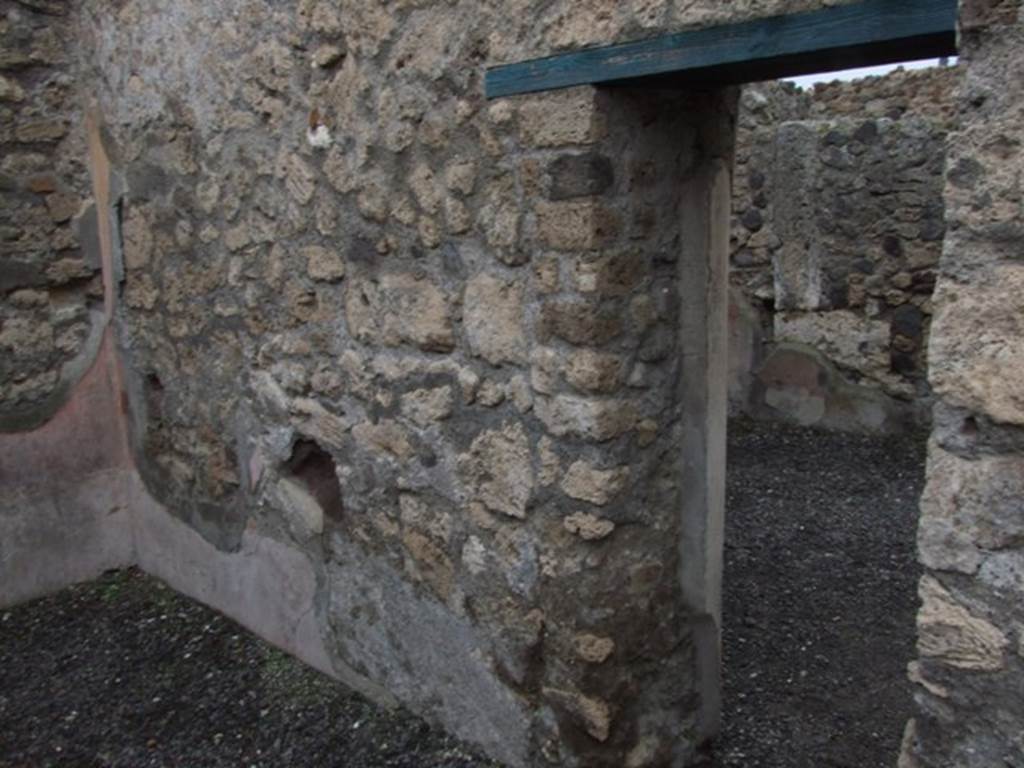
(84, 437)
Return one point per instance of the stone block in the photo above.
(580, 175)
(544, 371)
(576, 225)
(428, 406)
(45, 130)
(299, 179)
(977, 343)
(10, 90)
(498, 470)
(460, 176)
(428, 563)
(493, 316)
(137, 238)
(949, 633)
(595, 419)
(397, 308)
(579, 322)
(616, 274)
(500, 216)
(546, 273)
(562, 118)
(593, 649)
(979, 14)
(425, 187)
(62, 206)
(585, 482)
(798, 275)
(305, 515)
(323, 263)
(310, 418)
(970, 507)
(1003, 572)
(457, 216)
(326, 56)
(385, 437)
(595, 372)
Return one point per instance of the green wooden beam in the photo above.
(854, 35)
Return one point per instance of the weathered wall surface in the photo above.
(971, 624)
(426, 389)
(837, 231)
(417, 360)
(62, 513)
(443, 372)
(49, 325)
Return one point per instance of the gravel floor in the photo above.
(818, 609)
(126, 673)
(820, 597)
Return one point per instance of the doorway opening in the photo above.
(837, 232)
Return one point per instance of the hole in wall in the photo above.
(314, 468)
(154, 389)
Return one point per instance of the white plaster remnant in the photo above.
(474, 556)
(319, 137)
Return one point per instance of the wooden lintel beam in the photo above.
(859, 34)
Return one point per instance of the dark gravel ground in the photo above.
(818, 610)
(820, 597)
(125, 673)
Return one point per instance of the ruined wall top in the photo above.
(922, 93)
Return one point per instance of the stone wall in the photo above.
(449, 380)
(837, 230)
(970, 671)
(926, 94)
(49, 280)
(402, 371)
(430, 391)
